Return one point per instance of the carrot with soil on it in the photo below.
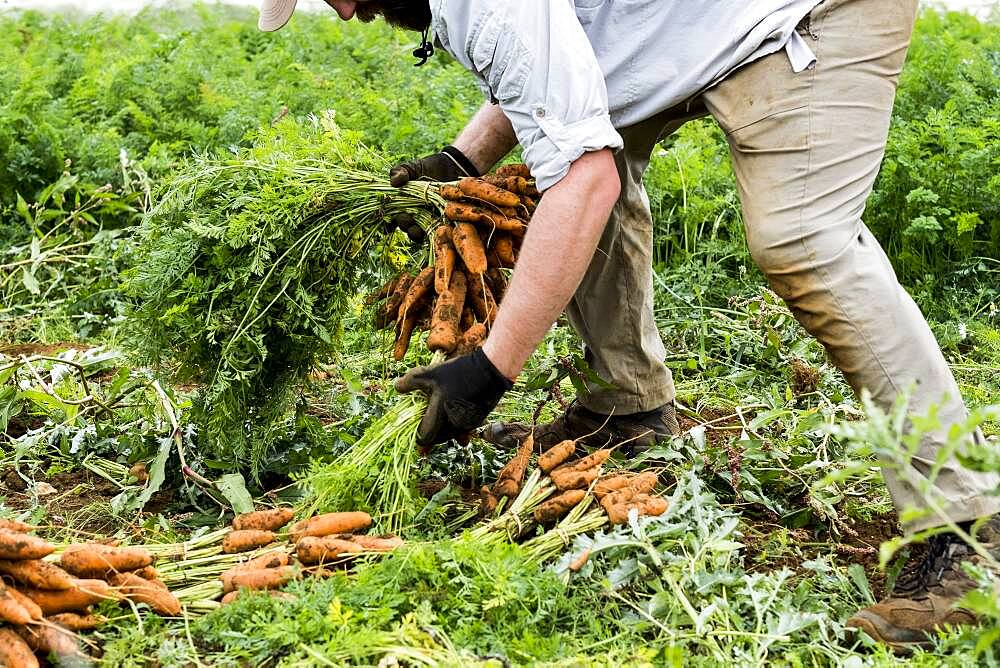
(11, 610)
(473, 337)
(571, 479)
(504, 248)
(451, 193)
(53, 641)
(264, 520)
(16, 526)
(246, 540)
(331, 523)
(387, 288)
(272, 560)
(444, 259)
(389, 310)
(596, 458)
(497, 282)
(556, 508)
(76, 622)
(469, 213)
(154, 594)
(481, 298)
(19, 546)
(29, 606)
(479, 189)
(148, 573)
(514, 169)
(469, 246)
(36, 573)
(84, 594)
(264, 578)
(512, 475)
(378, 543)
(417, 293)
(97, 561)
(445, 333)
(556, 455)
(14, 652)
(313, 550)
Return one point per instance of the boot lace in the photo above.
(943, 552)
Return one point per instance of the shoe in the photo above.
(925, 595)
(639, 431)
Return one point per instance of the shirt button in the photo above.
(540, 113)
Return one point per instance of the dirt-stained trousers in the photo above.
(806, 149)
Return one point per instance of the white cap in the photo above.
(274, 14)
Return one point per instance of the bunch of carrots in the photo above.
(455, 300)
(319, 541)
(45, 601)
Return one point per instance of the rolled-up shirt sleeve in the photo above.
(533, 58)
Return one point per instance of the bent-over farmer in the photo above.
(803, 90)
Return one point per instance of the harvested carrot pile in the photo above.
(456, 299)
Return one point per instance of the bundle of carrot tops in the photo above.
(456, 298)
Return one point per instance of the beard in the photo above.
(407, 14)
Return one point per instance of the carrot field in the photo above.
(194, 229)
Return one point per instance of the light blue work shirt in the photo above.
(567, 73)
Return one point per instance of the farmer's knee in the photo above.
(784, 245)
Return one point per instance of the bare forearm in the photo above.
(487, 137)
(561, 241)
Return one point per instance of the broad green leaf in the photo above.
(234, 489)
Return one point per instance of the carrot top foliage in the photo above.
(245, 266)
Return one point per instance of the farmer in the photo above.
(803, 90)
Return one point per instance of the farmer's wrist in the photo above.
(506, 366)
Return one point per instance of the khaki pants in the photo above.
(806, 149)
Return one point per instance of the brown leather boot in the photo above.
(592, 430)
(925, 596)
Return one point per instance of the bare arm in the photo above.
(561, 240)
(487, 137)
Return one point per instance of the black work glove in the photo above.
(448, 165)
(461, 393)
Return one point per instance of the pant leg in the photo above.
(612, 309)
(806, 149)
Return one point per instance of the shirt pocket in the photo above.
(499, 56)
(586, 10)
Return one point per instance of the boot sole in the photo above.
(880, 630)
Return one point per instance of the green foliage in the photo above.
(246, 266)
(164, 83)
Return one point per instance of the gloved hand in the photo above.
(461, 394)
(448, 165)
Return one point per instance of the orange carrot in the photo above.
(504, 248)
(389, 310)
(16, 545)
(481, 298)
(36, 573)
(565, 480)
(83, 594)
(76, 622)
(320, 549)
(331, 523)
(511, 475)
(555, 508)
(450, 192)
(612, 483)
(16, 526)
(468, 213)
(469, 247)
(481, 190)
(14, 652)
(264, 520)
(11, 610)
(468, 317)
(497, 282)
(97, 561)
(417, 293)
(444, 334)
(270, 560)
(513, 169)
(387, 289)
(556, 455)
(473, 337)
(378, 543)
(577, 564)
(404, 331)
(154, 594)
(246, 540)
(52, 641)
(147, 573)
(444, 259)
(264, 578)
(29, 606)
(596, 458)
